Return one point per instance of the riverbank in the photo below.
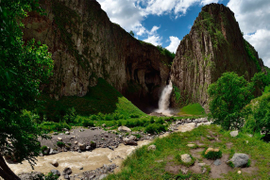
(82, 159)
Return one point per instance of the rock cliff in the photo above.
(86, 46)
(214, 45)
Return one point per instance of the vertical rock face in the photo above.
(214, 45)
(86, 46)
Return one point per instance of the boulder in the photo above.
(124, 129)
(67, 171)
(133, 137)
(239, 159)
(186, 158)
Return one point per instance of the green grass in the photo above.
(142, 163)
(103, 98)
(192, 110)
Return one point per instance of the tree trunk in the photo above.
(6, 172)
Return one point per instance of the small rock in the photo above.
(81, 168)
(67, 133)
(67, 171)
(124, 129)
(75, 142)
(186, 158)
(130, 142)
(88, 148)
(239, 172)
(103, 125)
(217, 162)
(239, 159)
(204, 170)
(55, 172)
(82, 146)
(234, 133)
(152, 147)
(59, 139)
(191, 145)
(201, 164)
(55, 163)
(102, 176)
(159, 161)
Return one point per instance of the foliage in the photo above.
(155, 128)
(228, 96)
(261, 80)
(212, 154)
(60, 144)
(70, 115)
(131, 33)
(22, 68)
(49, 126)
(252, 55)
(166, 52)
(87, 123)
(259, 117)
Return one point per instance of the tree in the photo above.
(22, 68)
(261, 80)
(228, 95)
(131, 33)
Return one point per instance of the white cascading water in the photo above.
(164, 101)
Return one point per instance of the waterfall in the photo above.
(164, 101)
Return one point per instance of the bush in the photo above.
(212, 154)
(87, 123)
(155, 128)
(160, 121)
(60, 144)
(134, 116)
(152, 120)
(93, 117)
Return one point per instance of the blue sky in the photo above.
(166, 22)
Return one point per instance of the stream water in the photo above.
(88, 160)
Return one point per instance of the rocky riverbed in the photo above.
(92, 153)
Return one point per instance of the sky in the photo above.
(166, 22)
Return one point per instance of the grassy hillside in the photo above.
(192, 110)
(163, 163)
(103, 98)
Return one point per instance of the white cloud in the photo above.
(254, 18)
(123, 12)
(174, 44)
(260, 40)
(204, 2)
(154, 39)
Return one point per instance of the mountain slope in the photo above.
(214, 45)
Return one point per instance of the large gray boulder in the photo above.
(239, 159)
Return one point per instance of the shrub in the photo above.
(212, 154)
(134, 116)
(87, 123)
(155, 128)
(160, 121)
(60, 144)
(93, 117)
(152, 120)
